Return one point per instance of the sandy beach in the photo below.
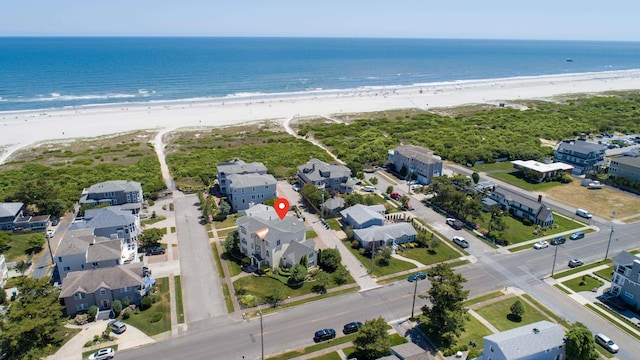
(24, 128)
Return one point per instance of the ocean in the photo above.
(45, 73)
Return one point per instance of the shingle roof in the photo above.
(361, 213)
(107, 217)
(237, 166)
(581, 147)
(386, 232)
(417, 152)
(114, 186)
(334, 203)
(626, 160)
(88, 281)
(298, 249)
(10, 209)
(268, 219)
(524, 341)
(625, 258)
(314, 167)
(248, 180)
(104, 250)
(75, 241)
(514, 196)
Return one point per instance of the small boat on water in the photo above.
(569, 60)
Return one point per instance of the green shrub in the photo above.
(453, 350)
(474, 353)
(146, 302)
(116, 306)
(126, 314)
(156, 317)
(93, 311)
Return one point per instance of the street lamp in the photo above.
(606, 255)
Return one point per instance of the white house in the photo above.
(543, 340)
(270, 241)
(249, 189)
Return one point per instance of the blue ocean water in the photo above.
(42, 73)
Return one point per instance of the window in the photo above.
(243, 230)
(81, 307)
(125, 289)
(278, 242)
(59, 258)
(79, 296)
(491, 348)
(103, 292)
(628, 295)
(66, 268)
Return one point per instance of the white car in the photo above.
(368, 188)
(50, 233)
(103, 354)
(541, 245)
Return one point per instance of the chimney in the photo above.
(539, 198)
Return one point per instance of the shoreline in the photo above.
(25, 128)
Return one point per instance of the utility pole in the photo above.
(50, 252)
(415, 289)
(373, 251)
(555, 255)
(261, 334)
(606, 255)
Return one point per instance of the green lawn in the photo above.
(179, 305)
(18, 247)
(222, 234)
(589, 283)
(142, 319)
(330, 356)
(482, 298)
(394, 266)
(605, 273)
(233, 264)
(500, 166)
(313, 348)
(443, 253)
(334, 224)
(152, 221)
(311, 234)
(498, 314)
(473, 331)
(227, 298)
(515, 179)
(216, 258)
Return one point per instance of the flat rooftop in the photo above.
(541, 167)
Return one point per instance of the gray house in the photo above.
(582, 155)
(361, 216)
(324, 176)
(116, 192)
(81, 250)
(626, 278)
(249, 189)
(9, 212)
(542, 340)
(388, 235)
(237, 166)
(419, 162)
(29, 222)
(332, 206)
(101, 286)
(626, 167)
(523, 207)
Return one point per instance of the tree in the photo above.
(36, 241)
(224, 209)
(304, 261)
(323, 280)
(372, 341)
(275, 295)
(475, 177)
(385, 256)
(231, 244)
(353, 199)
(298, 274)
(29, 325)
(580, 344)
(434, 243)
(116, 306)
(373, 180)
(313, 195)
(517, 310)
(330, 259)
(447, 315)
(341, 276)
(421, 239)
(22, 267)
(404, 201)
(150, 237)
(92, 312)
(496, 223)
(389, 189)
(5, 239)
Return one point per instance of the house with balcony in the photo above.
(102, 286)
(584, 156)
(31, 222)
(374, 237)
(245, 190)
(81, 249)
(523, 207)
(362, 216)
(542, 340)
(238, 167)
(625, 282)
(332, 177)
(419, 163)
(270, 241)
(626, 167)
(9, 212)
(113, 223)
(127, 194)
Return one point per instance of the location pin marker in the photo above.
(282, 207)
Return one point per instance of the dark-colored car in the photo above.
(576, 235)
(156, 250)
(324, 334)
(417, 276)
(55, 222)
(351, 327)
(575, 263)
(558, 240)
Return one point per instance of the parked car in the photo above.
(541, 245)
(103, 354)
(351, 327)
(584, 213)
(117, 327)
(604, 341)
(324, 334)
(460, 241)
(576, 235)
(368, 188)
(558, 240)
(50, 233)
(455, 223)
(156, 250)
(55, 222)
(394, 195)
(575, 263)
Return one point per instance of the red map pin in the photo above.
(282, 207)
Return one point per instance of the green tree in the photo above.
(389, 190)
(313, 195)
(304, 261)
(275, 295)
(404, 201)
(92, 312)
(298, 274)
(580, 344)
(29, 325)
(231, 244)
(517, 310)
(475, 177)
(496, 223)
(447, 315)
(150, 237)
(421, 239)
(323, 279)
(353, 199)
(330, 260)
(372, 341)
(385, 256)
(116, 306)
(434, 244)
(22, 267)
(374, 180)
(36, 241)
(341, 276)
(5, 239)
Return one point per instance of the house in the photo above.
(361, 216)
(270, 241)
(128, 194)
(113, 223)
(409, 351)
(81, 249)
(418, 162)
(237, 166)
(102, 286)
(523, 207)
(9, 212)
(4, 271)
(626, 167)
(29, 222)
(248, 189)
(542, 340)
(332, 206)
(626, 278)
(542, 170)
(582, 155)
(387, 235)
(326, 177)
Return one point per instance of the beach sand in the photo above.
(20, 129)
